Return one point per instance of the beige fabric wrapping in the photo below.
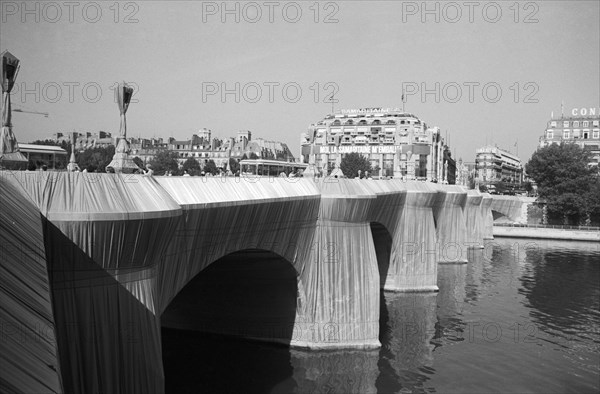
(342, 279)
(28, 356)
(474, 222)
(119, 248)
(413, 264)
(486, 217)
(507, 206)
(450, 224)
(104, 234)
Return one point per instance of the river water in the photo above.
(521, 316)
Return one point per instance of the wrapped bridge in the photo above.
(92, 262)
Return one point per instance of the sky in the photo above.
(484, 72)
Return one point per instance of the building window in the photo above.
(550, 135)
(576, 124)
(552, 124)
(566, 134)
(596, 134)
(586, 123)
(566, 124)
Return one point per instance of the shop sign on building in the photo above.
(356, 149)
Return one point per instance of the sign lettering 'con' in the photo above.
(585, 112)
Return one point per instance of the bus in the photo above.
(273, 168)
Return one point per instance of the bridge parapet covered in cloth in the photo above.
(345, 200)
(390, 201)
(104, 237)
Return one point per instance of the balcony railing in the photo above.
(562, 227)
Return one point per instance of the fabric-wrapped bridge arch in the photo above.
(97, 258)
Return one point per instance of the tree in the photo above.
(96, 159)
(352, 163)
(165, 161)
(138, 162)
(211, 167)
(501, 187)
(244, 157)
(253, 156)
(192, 166)
(565, 180)
(234, 166)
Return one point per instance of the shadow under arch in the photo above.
(382, 240)
(249, 294)
(498, 214)
(215, 331)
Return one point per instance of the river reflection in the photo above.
(521, 316)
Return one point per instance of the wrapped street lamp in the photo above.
(121, 161)
(10, 156)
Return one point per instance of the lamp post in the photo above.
(121, 161)
(9, 148)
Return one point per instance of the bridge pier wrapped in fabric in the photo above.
(475, 226)
(104, 235)
(341, 285)
(413, 265)
(451, 228)
(384, 216)
(486, 217)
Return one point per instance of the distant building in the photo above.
(466, 173)
(146, 149)
(54, 157)
(397, 144)
(87, 140)
(201, 146)
(581, 128)
(498, 165)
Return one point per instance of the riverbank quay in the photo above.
(569, 233)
